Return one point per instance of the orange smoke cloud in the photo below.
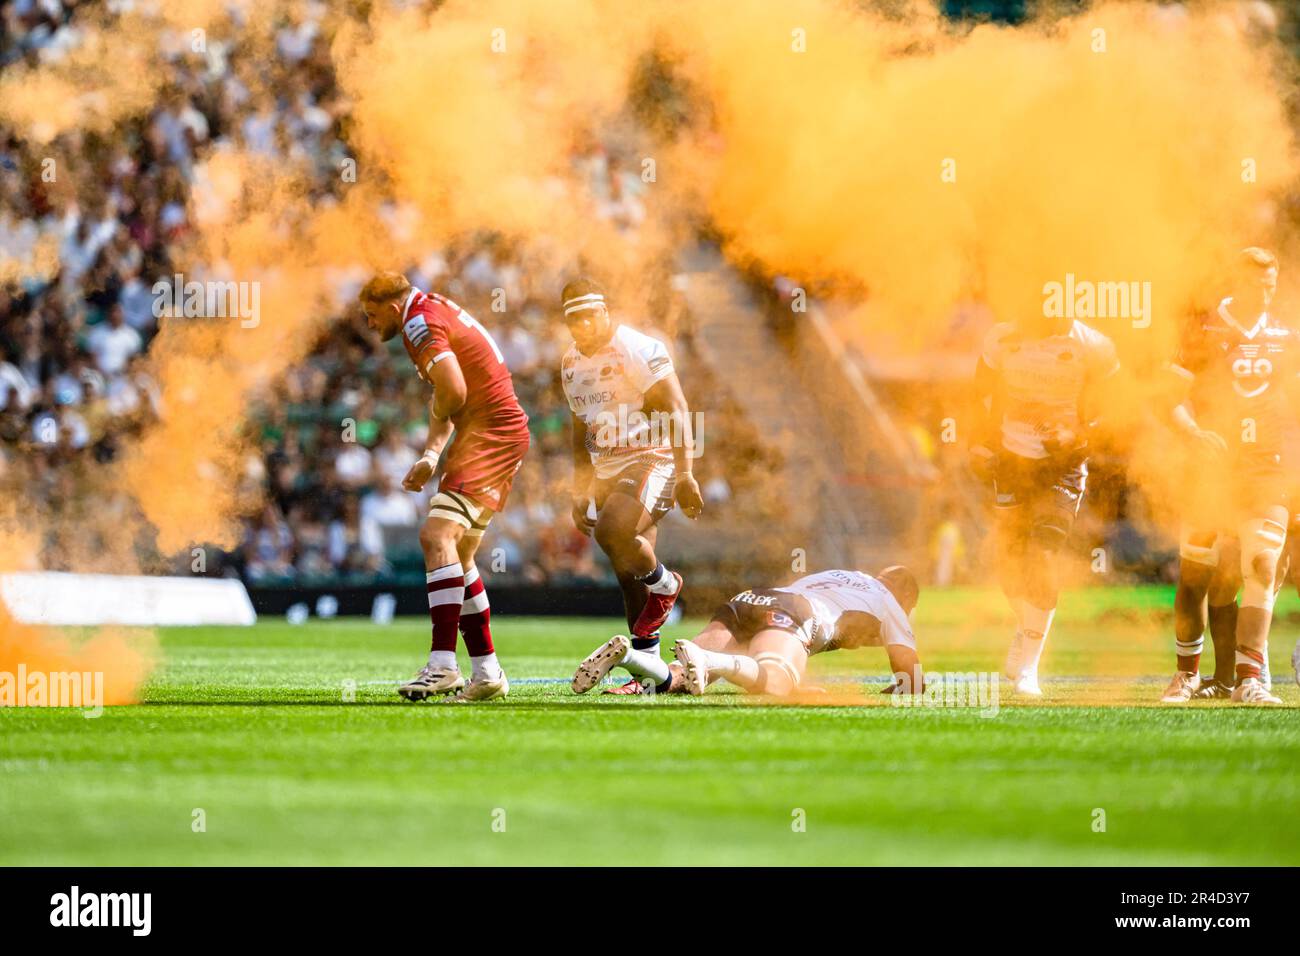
(124, 660)
(930, 168)
(904, 162)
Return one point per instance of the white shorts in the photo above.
(453, 506)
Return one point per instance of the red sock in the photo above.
(1249, 664)
(446, 587)
(1189, 654)
(475, 615)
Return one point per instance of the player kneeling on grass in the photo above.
(762, 638)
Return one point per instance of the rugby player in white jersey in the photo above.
(1037, 381)
(762, 638)
(632, 454)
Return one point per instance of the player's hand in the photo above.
(1061, 440)
(687, 493)
(902, 687)
(581, 518)
(419, 474)
(1210, 443)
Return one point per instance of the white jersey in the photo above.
(851, 601)
(1044, 379)
(607, 391)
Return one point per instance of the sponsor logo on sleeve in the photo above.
(416, 331)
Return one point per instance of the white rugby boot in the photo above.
(432, 682)
(1252, 691)
(695, 669)
(480, 689)
(1026, 684)
(600, 662)
(1182, 687)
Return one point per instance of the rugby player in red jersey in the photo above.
(1239, 366)
(474, 397)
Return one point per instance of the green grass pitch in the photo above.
(249, 730)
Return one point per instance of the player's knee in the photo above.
(615, 541)
(1262, 541)
(436, 535)
(1199, 554)
(1222, 592)
(605, 536)
(1048, 535)
(780, 677)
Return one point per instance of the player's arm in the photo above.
(665, 397)
(905, 665)
(449, 394)
(1098, 402)
(583, 475)
(449, 391)
(440, 430)
(987, 413)
(1177, 411)
(1183, 422)
(1179, 415)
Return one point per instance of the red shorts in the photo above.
(481, 465)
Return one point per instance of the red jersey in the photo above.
(434, 327)
(1245, 371)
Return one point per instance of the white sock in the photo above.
(443, 660)
(661, 581)
(742, 671)
(1037, 625)
(645, 664)
(485, 667)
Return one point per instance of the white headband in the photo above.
(588, 301)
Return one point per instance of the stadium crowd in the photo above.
(81, 250)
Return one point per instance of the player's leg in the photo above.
(1293, 554)
(487, 679)
(633, 505)
(1010, 531)
(632, 587)
(772, 662)
(1198, 557)
(628, 509)
(1222, 614)
(647, 668)
(475, 486)
(1054, 508)
(1262, 540)
(440, 536)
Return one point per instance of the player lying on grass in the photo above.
(632, 448)
(762, 638)
(1239, 367)
(474, 396)
(1039, 383)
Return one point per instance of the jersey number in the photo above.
(470, 322)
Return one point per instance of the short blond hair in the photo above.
(384, 286)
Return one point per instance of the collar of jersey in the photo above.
(410, 299)
(1227, 317)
